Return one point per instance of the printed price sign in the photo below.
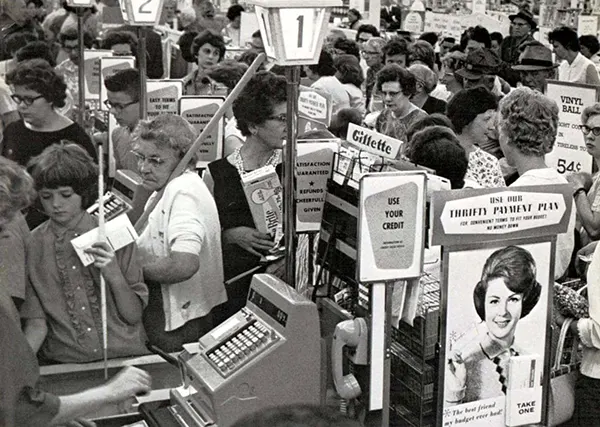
(109, 66)
(570, 153)
(143, 12)
(391, 226)
(163, 97)
(198, 111)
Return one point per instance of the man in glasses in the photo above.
(522, 26)
(123, 101)
(69, 68)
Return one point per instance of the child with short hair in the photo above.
(62, 309)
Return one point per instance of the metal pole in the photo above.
(289, 175)
(80, 67)
(142, 66)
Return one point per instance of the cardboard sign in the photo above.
(587, 25)
(108, 66)
(569, 153)
(314, 164)
(500, 213)
(314, 110)
(198, 110)
(373, 142)
(391, 226)
(163, 97)
(414, 22)
(91, 65)
(479, 6)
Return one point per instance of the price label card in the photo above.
(570, 153)
(91, 65)
(109, 66)
(143, 12)
(198, 110)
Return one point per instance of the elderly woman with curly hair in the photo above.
(208, 49)
(426, 83)
(528, 123)
(372, 52)
(181, 241)
(39, 91)
(261, 115)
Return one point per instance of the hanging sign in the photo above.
(198, 110)
(373, 142)
(391, 226)
(143, 12)
(108, 66)
(587, 25)
(570, 153)
(91, 66)
(163, 97)
(314, 164)
(414, 22)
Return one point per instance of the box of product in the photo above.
(265, 197)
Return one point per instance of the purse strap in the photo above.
(561, 343)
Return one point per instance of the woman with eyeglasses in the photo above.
(38, 92)
(208, 49)
(261, 115)
(181, 240)
(586, 189)
(372, 52)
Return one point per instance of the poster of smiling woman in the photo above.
(496, 316)
(497, 276)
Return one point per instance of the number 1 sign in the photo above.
(143, 12)
(293, 30)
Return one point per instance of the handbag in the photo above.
(563, 378)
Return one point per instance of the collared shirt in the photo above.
(67, 295)
(13, 243)
(577, 71)
(596, 60)
(122, 143)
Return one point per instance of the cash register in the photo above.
(267, 354)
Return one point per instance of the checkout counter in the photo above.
(268, 354)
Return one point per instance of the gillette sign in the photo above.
(373, 142)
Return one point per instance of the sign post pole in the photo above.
(142, 66)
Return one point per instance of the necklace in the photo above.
(239, 162)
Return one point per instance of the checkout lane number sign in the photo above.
(144, 11)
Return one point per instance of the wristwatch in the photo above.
(578, 192)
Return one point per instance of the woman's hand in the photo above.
(250, 239)
(580, 180)
(103, 254)
(456, 376)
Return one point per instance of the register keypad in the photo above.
(240, 347)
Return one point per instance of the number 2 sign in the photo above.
(143, 12)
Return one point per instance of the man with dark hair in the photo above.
(446, 44)
(121, 43)
(589, 47)
(574, 67)
(391, 16)
(396, 52)
(69, 68)
(123, 97)
(297, 416)
(364, 33)
(522, 26)
(323, 75)
(430, 38)
(478, 37)
(232, 30)
(347, 46)
(256, 43)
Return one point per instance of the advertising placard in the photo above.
(314, 110)
(569, 153)
(373, 142)
(314, 164)
(108, 66)
(587, 25)
(391, 226)
(198, 110)
(91, 66)
(493, 370)
(163, 97)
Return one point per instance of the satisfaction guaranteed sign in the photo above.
(198, 110)
(391, 226)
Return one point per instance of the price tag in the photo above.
(144, 12)
(301, 31)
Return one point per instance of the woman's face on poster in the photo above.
(502, 309)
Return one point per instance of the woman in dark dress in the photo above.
(39, 91)
(261, 115)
